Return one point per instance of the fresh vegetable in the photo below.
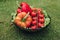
(25, 7)
(28, 17)
(33, 14)
(34, 9)
(20, 17)
(41, 20)
(34, 22)
(47, 21)
(34, 18)
(40, 25)
(45, 13)
(41, 16)
(39, 10)
(33, 27)
(18, 10)
(38, 17)
(28, 21)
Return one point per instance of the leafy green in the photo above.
(13, 16)
(45, 13)
(47, 21)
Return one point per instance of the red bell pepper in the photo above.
(18, 10)
(25, 7)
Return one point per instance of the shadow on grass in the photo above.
(33, 35)
(3, 0)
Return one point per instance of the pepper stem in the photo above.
(25, 17)
(17, 3)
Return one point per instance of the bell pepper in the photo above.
(25, 7)
(18, 10)
(26, 20)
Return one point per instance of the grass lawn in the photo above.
(52, 32)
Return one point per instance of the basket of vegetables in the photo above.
(30, 19)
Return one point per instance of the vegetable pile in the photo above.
(30, 18)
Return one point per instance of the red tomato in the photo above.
(41, 16)
(18, 10)
(40, 25)
(41, 20)
(39, 12)
(34, 22)
(34, 18)
(33, 14)
(33, 27)
(39, 9)
(34, 9)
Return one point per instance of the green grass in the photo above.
(52, 32)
